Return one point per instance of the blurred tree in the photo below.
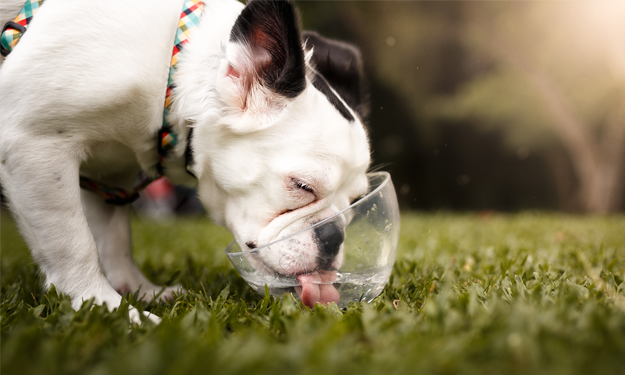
(553, 72)
(543, 77)
(410, 53)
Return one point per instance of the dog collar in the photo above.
(13, 30)
(167, 139)
(189, 21)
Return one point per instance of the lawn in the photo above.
(529, 293)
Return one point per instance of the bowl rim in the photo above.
(387, 179)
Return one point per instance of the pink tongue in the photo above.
(311, 291)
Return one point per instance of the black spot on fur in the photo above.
(341, 66)
(251, 244)
(271, 30)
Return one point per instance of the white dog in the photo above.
(278, 141)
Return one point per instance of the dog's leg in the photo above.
(110, 226)
(40, 178)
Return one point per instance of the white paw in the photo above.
(108, 297)
(113, 302)
(136, 318)
(155, 319)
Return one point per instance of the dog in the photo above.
(278, 141)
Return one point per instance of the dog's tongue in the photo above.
(312, 290)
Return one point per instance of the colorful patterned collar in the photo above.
(189, 21)
(167, 139)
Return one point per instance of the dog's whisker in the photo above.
(378, 167)
(222, 229)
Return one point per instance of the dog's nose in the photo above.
(330, 236)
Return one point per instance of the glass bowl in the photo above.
(368, 252)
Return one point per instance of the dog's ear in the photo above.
(265, 62)
(340, 64)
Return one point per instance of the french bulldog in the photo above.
(269, 122)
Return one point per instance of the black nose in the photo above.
(329, 239)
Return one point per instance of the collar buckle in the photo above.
(10, 36)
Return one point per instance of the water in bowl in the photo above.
(352, 287)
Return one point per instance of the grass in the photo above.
(504, 294)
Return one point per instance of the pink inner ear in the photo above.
(249, 72)
(232, 72)
(242, 81)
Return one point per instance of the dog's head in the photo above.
(286, 147)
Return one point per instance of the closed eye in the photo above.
(301, 186)
(302, 194)
(304, 186)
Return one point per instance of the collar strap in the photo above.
(189, 21)
(113, 195)
(13, 30)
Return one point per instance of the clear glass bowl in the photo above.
(368, 253)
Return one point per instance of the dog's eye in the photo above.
(302, 192)
(304, 186)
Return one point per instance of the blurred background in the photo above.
(483, 106)
(506, 105)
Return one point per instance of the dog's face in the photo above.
(288, 147)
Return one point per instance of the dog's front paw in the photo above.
(112, 301)
(155, 319)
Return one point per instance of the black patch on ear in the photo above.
(271, 30)
(341, 66)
